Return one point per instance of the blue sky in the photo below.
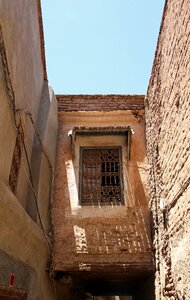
(100, 46)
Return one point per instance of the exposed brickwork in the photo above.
(108, 242)
(168, 136)
(100, 102)
(12, 294)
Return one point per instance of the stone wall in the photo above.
(168, 137)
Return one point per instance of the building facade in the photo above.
(94, 190)
(100, 205)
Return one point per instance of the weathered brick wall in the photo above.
(109, 239)
(100, 102)
(12, 294)
(168, 137)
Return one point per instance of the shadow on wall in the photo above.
(89, 235)
(112, 235)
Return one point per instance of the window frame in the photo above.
(122, 202)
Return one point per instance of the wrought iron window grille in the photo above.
(101, 176)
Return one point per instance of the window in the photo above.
(100, 176)
(16, 161)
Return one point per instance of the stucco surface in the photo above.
(22, 239)
(25, 98)
(20, 27)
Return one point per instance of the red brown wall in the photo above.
(12, 294)
(99, 102)
(96, 238)
(168, 137)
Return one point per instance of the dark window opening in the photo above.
(100, 176)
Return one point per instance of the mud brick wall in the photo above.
(12, 294)
(104, 237)
(100, 102)
(167, 107)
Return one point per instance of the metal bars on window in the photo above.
(100, 177)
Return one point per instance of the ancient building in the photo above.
(94, 189)
(100, 203)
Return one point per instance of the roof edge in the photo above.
(97, 102)
(42, 42)
(99, 95)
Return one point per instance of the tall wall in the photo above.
(25, 99)
(95, 239)
(168, 140)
